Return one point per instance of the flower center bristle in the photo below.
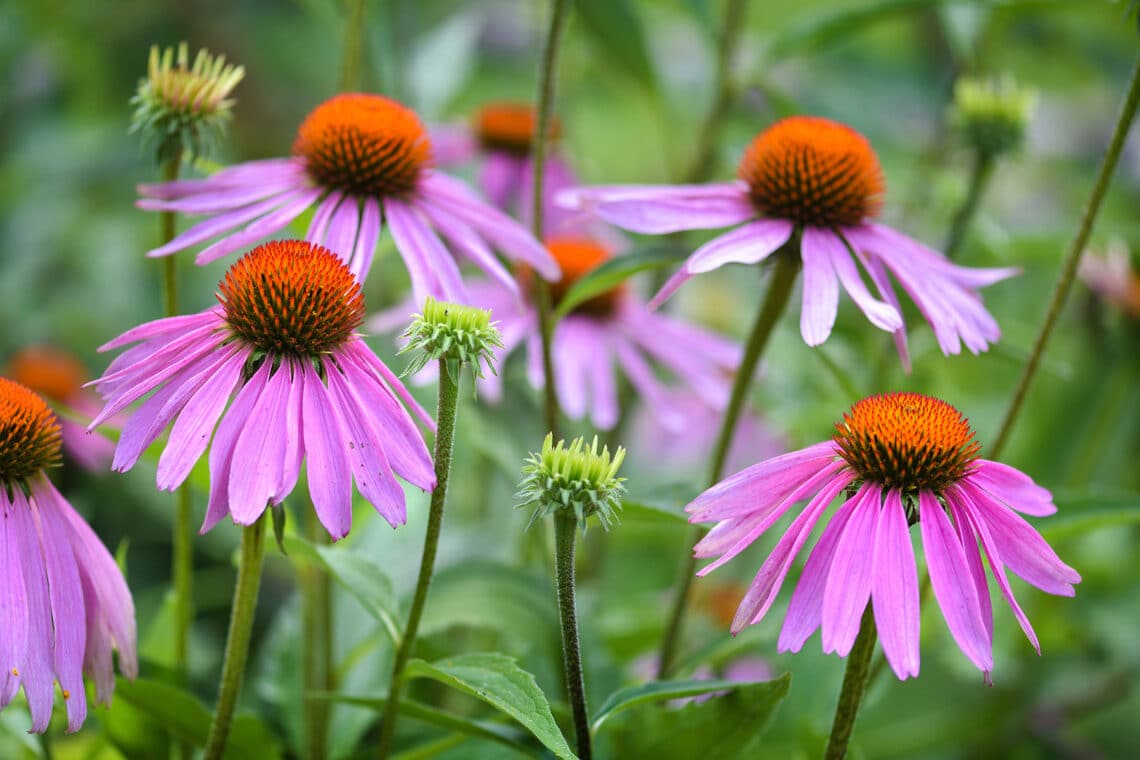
(510, 127)
(577, 256)
(49, 371)
(364, 145)
(813, 171)
(907, 441)
(292, 298)
(29, 433)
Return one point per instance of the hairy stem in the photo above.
(779, 291)
(237, 642)
(565, 539)
(444, 441)
(855, 680)
(980, 174)
(1072, 258)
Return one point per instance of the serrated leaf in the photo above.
(188, 720)
(613, 272)
(358, 574)
(724, 727)
(616, 27)
(498, 680)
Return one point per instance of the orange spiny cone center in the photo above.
(907, 441)
(55, 373)
(292, 298)
(510, 127)
(578, 256)
(813, 171)
(29, 433)
(364, 144)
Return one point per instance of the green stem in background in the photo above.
(980, 175)
(1072, 258)
(702, 163)
(855, 680)
(787, 266)
(444, 441)
(353, 47)
(316, 624)
(565, 538)
(237, 642)
(560, 11)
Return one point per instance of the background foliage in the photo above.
(635, 83)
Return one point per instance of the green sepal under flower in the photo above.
(577, 479)
(455, 333)
(181, 106)
(991, 116)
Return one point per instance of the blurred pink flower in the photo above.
(899, 458)
(1112, 277)
(364, 161)
(307, 389)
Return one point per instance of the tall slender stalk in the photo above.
(1072, 257)
(444, 441)
(353, 47)
(560, 11)
(237, 642)
(779, 291)
(316, 625)
(855, 680)
(980, 174)
(565, 539)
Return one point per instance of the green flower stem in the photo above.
(170, 171)
(353, 45)
(779, 291)
(444, 441)
(980, 175)
(237, 642)
(560, 11)
(1072, 258)
(855, 680)
(316, 624)
(565, 538)
(702, 162)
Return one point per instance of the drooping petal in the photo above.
(1012, 488)
(366, 239)
(894, 589)
(225, 438)
(820, 287)
(748, 244)
(13, 604)
(371, 364)
(292, 206)
(848, 587)
(330, 480)
(37, 674)
(258, 458)
(880, 314)
(659, 209)
(340, 235)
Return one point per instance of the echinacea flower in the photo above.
(818, 184)
(306, 388)
(363, 161)
(612, 329)
(58, 376)
(1112, 277)
(898, 458)
(64, 602)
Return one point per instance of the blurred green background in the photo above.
(635, 83)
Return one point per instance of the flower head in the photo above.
(458, 334)
(363, 161)
(812, 186)
(283, 343)
(1113, 277)
(183, 106)
(992, 115)
(898, 458)
(611, 330)
(577, 479)
(509, 126)
(64, 600)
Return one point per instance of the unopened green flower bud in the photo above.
(183, 107)
(455, 333)
(991, 116)
(577, 479)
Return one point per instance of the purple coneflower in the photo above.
(899, 458)
(818, 184)
(63, 600)
(307, 388)
(58, 376)
(363, 161)
(612, 328)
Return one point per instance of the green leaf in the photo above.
(1087, 512)
(724, 727)
(497, 680)
(188, 720)
(613, 272)
(662, 504)
(480, 729)
(487, 595)
(617, 29)
(358, 574)
(646, 512)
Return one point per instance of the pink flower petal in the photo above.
(1012, 488)
(848, 587)
(258, 461)
(820, 288)
(894, 589)
(225, 438)
(661, 209)
(881, 315)
(749, 244)
(13, 603)
(330, 481)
